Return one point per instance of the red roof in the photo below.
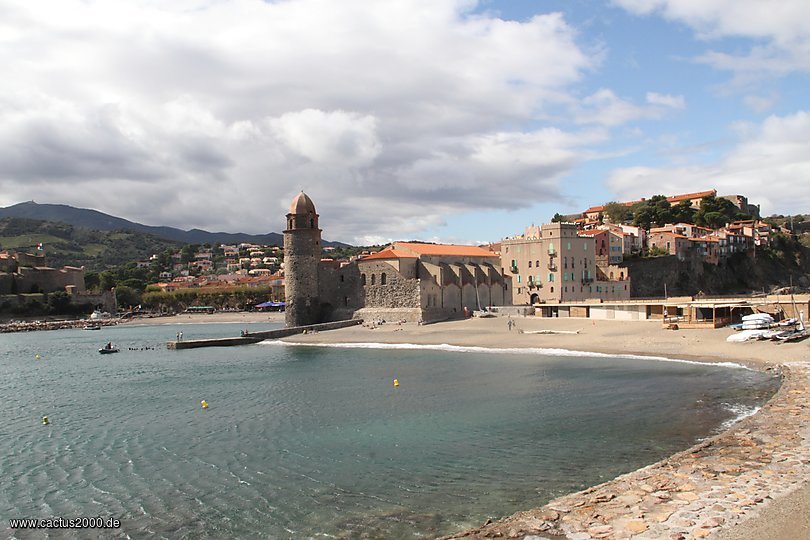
(690, 196)
(388, 254)
(444, 249)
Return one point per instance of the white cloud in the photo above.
(213, 114)
(666, 100)
(336, 137)
(759, 103)
(770, 165)
(604, 107)
(781, 27)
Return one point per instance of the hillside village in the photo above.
(576, 258)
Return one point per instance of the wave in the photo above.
(500, 350)
(741, 412)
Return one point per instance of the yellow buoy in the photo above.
(37, 357)
(204, 404)
(45, 421)
(396, 383)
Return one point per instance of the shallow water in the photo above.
(308, 441)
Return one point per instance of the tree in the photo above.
(106, 280)
(716, 212)
(616, 212)
(558, 218)
(654, 211)
(127, 296)
(683, 212)
(58, 302)
(91, 280)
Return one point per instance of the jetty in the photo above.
(255, 337)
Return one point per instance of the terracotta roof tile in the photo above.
(388, 254)
(444, 249)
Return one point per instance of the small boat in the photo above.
(93, 327)
(109, 348)
(793, 335)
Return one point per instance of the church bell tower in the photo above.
(302, 254)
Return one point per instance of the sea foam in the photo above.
(500, 350)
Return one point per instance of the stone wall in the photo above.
(301, 260)
(396, 291)
(49, 279)
(339, 291)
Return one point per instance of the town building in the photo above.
(555, 263)
(411, 281)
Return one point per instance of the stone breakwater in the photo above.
(31, 326)
(717, 483)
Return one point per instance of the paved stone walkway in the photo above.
(715, 484)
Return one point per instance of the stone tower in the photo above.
(302, 254)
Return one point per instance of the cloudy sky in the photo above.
(445, 120)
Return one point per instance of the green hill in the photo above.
(65, 244)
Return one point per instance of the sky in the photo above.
(455, 121)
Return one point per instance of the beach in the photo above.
(748, 482)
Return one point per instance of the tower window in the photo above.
(373, 278)
(363, 279)
(382, 279)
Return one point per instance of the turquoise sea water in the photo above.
(313, 442)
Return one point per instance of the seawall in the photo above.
(255, 337)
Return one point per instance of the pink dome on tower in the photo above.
(302, 204)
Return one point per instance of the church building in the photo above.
(409, 281)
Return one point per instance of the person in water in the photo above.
(109, 345)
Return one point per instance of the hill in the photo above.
(70, 245)
(93, 219)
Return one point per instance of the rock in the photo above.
(579, 536)
(603, 497)
(660, 517)
(635, 526)
(600, 530)
(687, 496)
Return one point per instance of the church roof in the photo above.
(302, 204)
(388, 254)
(444, 249)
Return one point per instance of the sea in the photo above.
(318, 442)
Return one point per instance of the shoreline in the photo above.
(745, 482)
(750, 477)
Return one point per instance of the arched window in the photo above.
(611, 276)
(362, 279)
(382, 279)
(345, 300)
(373, 278)
(342, 278)
(312, 223)
(621, 276)
(290, 224)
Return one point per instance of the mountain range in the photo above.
(93, 219)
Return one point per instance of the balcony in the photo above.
(587, 280)
(514, 269)
(552, 266)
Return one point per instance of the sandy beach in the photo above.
(749, 482)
